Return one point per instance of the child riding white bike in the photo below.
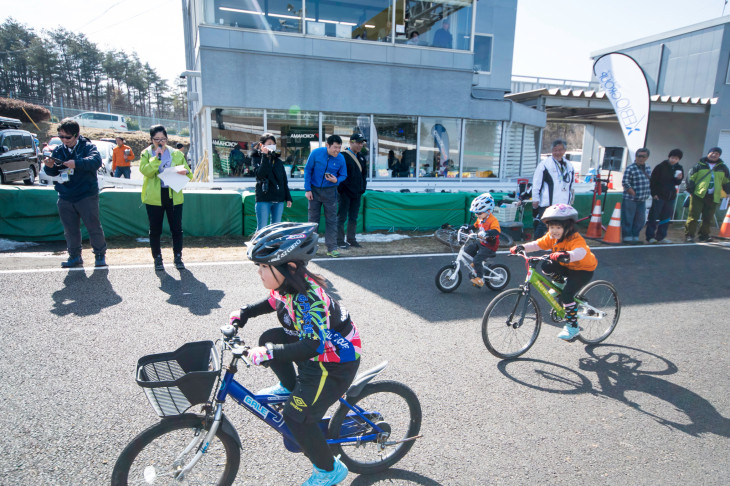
(316, 334)
(488, 231)
(571, 262)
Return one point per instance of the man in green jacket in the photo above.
(705, 183)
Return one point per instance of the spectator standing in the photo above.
(552, 184)
(350, 191)
(663, 183)
(122, 157)
(76, 161)
(272, 189)
(442, 37)
(236, 157)
(703, 184)
(160, 199)
(637, 189)
(413, 39)
(393, 163)
(324, 171)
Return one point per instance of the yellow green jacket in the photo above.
(149, 166)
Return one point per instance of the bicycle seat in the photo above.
(364, 379)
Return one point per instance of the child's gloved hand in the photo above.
(517, 249)
(239, 317)
(259, 355)
(560, 256)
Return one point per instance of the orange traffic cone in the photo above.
(725, 230)
(594, 227)
(613, 232)
(610, 182)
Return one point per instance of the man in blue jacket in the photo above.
(324, 171)
(76, 161)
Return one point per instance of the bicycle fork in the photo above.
(196, 443)
(524, 295)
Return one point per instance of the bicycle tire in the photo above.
(447, 236)
(396, 408)
(443, 279)
(181, 429)
(603, 296)
(503, 272)
(506, 241)
(499, 331)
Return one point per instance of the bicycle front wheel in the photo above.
(157, 455)
(598, 311)
(506, 333)
(506, 241)
(390, 405)
(448, 278)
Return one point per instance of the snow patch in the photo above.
(6, 245)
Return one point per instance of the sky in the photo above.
(553, 38)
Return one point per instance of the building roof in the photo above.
(579, 105)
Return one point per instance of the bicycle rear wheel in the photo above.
(598, 318)
(158, 454)
(505, 332)
(392, 406)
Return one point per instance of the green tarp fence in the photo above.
(30, 214)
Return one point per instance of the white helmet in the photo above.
(484, 203)
(560, 212)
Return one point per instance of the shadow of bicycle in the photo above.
(394, 476)
(625, 374)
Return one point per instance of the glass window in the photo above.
(482, 143)
(445, 24)
(483, 53)
(344, 125)
(395, 143)
(27, 141)
(513, 152)
(530, 150)
(234, 131)
(613, 158)
(15, 142)
(439, 147)
(276, 15)
(367, 20)
(297, 133)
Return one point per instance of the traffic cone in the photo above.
(725, 230)
(613, 232)
(594, 227)
(610, 182)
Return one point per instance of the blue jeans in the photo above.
(660, 215)
(123, 171)
(264, 210)
(633, 216)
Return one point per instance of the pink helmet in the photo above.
(560, 212)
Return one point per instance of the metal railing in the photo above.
(530, 83)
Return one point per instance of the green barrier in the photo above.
(413, 211)
(30, 214)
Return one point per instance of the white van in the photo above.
(95, 119)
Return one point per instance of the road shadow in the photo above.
(394, 476)
(84, 295)
(190, 293)
(621, 372)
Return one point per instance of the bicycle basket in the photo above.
(174, 382)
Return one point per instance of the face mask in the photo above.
(270, 148)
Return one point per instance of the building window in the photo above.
(395, 144)
(297, 134)
(234, 132)
(366, 20)
(482, 142)
(345, 125)
(445, 24)
(439, 147)
(513, 151)
(274, 15)
(483, 53)
(613, 158)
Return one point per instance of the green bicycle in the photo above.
(512, 321)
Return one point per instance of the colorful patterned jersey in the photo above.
(315, 315)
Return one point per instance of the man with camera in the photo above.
(75, 162)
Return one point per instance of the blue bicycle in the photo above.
(374, 426)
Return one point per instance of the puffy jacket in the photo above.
(149, 166)
(82, 183)
(271, 170)
(699, 177)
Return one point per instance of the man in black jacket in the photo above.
(351, 190)
(75, 162)
(663, 183)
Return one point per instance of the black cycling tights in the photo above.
(313, 443)
(575, 279)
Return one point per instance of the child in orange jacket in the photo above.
(488, 232)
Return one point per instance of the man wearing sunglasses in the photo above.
(76, 161)
(637, 189)
(552, 184)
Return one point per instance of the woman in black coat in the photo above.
(272, 189)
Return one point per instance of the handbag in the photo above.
(692, 185)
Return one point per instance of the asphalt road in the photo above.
(649, 407)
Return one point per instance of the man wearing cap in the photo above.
(351, 190)
(705, 184)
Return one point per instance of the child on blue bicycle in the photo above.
(316, 334)
(488, 230)
(571, 261)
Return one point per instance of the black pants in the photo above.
(348, 209)
(540, 228)
(480, 253)
(575, 279)
(156, 214)
(314, 389)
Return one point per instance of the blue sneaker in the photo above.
(569, 332)
(324, 478)
(277, 389)
(73, 261)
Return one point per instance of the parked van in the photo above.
(95, 119)
(18, 154)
